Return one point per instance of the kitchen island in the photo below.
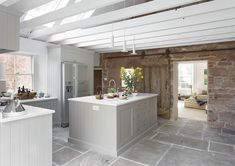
(26, 140)
(111, 125)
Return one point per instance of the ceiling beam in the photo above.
(117, 15)
(142, 21)
(157, 39)
(144, 47)
(71, 10)
(25, 5)
(175, 27)
(7, 3)
(175, 43)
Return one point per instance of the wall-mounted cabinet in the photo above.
(9, 30)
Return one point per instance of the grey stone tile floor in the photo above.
(180, 143)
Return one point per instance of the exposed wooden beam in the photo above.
(213, 39)
(71, 10)
(118, 15)
(156, 29)
(25, 5)
(157, 37)
(8, 2)
(144, 47)
(142, 21)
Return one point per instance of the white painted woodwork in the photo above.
(8, 2)
(111, 126)
(121, 14)
(186, 26)
(156, 37)
(25, 5)
(59, 54)
(48, 103)
(27, 141)
(71, 10)
(180, 42)
(9, 31)
(159, 17)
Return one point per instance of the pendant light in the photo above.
(124, 43)
(133, 47)
(124, 36)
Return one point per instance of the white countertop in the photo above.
(115, 101)
(37, 100)
(31, 112)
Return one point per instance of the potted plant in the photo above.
(131, 77)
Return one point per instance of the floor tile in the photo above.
(62, 133)
(189, 132)
(64, 155)
(91, 158)
(56, 147)
(181, 140)
(169, 129)
(123, 162)
(222, 148)
(226, 139)
(186, 157)
(80, 148)
(196, 125)
(146, 152)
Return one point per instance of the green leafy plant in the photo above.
(131, 77)
(112, 90)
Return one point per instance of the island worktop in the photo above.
(111, 125)
(115, 101)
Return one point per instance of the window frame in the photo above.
(18, 74)
(192, 77)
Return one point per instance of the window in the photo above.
(18, 71)
(129, 71)
(185, 76)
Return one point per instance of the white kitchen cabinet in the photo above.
(125, 128)
(47, 103)
(27, 140)
(9, 30)
(111, 125)
(3, 30)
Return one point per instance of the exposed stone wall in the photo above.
(221, 75)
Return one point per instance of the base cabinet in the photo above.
(47, 104)
(135, 119)
(26, 142)
(111, 128)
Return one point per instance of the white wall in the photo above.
(39, 51)
(198, 78)
(97, 59)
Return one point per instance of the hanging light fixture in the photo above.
(133, 47)
(124, 43)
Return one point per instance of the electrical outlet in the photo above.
(96, 108)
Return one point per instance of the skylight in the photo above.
(52, 6)
(44, 9)
(81, 16)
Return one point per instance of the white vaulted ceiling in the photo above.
(91, 24)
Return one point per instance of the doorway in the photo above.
(190, 84)
(97, 80)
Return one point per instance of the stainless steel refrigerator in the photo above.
(74, 84)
